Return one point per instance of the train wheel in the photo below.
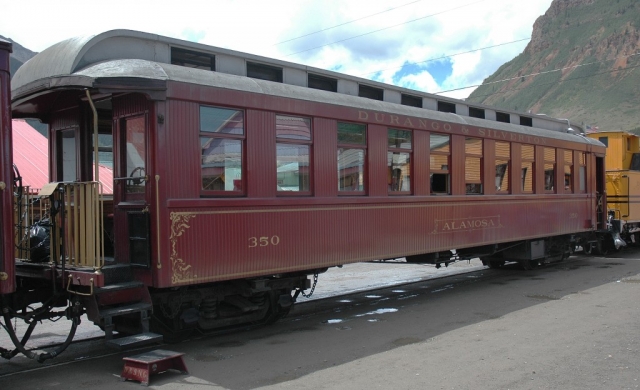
(529, 264)
(602, 248)
(588, 248)
(170, 327)
(496, 264)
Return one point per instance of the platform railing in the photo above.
(78, 210)
(28, 209)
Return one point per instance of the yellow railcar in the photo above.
(623, 183)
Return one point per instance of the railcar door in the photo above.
(601, 196)
(131, 214)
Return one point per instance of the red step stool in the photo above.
(140, 367)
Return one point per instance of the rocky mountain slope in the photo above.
(581, 63)
(19, 56)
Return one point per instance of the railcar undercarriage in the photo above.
(528, 253)
(32, 304)
(218, 307)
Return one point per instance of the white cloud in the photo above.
(375, 37)
(422, 81)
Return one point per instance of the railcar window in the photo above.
(399, 148)
(526, 121)
(264, 72)
(136, 153)
(549, 169)
(503, 158)
(193, 59)
(352, 148)
(604, 140)
(105, 154)
(476, 112)
(67, 149)
(528, 163)
(503, 117)
(568, 171)
(440, 155)
(473, 166)
(293, 151)
(370, 92)
(583, 172)
(321, 82)
(222, 147)
(410, 100)
(447, 107)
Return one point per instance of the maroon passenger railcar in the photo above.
(229, 189)
(7, 277)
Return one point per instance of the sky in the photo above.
(432, 46)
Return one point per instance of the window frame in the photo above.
(446, 172)
(322, 83)
(532, 164)
(399, 150)
(506, 161)
(582, 172)
(225, 136)
(553, 162)
(470, 155)
(297, 142)
(568, 177)
(353, 146)
(192, 59)
(253, 71)
(369, 92)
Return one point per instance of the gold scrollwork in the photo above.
(181, 271)
(3, 276)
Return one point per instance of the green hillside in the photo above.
(582, 64)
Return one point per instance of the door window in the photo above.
(136, 153)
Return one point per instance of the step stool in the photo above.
(140, 367)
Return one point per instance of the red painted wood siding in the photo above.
(211, 239)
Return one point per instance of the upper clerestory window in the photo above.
(410, 100)
(476, 112)
(447, 107)
(321, 82)
(526, 121)
(371, 92)
(193, 59)
(264, 72)
(503, 117)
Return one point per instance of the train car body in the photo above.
(7, 276)
(622, 184)
(230, 190)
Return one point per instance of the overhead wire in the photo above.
(385, 28)
(346, 23)
(565, 80)
(545, 72)
(449, 56)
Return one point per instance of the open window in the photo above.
(439, 163)
(502, 163)
(399, 153)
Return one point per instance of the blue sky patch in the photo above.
(439, 70)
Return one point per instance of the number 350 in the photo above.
(263, 241)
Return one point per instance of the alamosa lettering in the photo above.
(455, 128)
(466, 224)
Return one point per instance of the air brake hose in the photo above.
(40, 357)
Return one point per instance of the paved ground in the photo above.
(566, 326)
(336, 281)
